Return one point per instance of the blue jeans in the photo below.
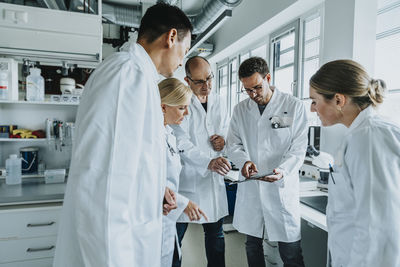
(214, 243)
(290, 253)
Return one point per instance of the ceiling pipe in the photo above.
(53, 4)
(122, 15)
(211, 12)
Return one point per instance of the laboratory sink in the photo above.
(316, 202)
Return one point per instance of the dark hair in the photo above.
(253, 65)
(160, 19)
(349, 78)
(189, 62)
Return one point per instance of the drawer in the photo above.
(26, 249)
(27, 223)
(46, 262)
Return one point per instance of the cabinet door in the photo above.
(47, 262)
(27, 223)
(26, 249)
(314, 244)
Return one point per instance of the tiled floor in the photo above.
(194, 253)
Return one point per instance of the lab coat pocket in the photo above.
(187, 180)
(280, 138)
(339, 195)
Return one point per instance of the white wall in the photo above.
(349, 33)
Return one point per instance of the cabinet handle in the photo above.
(39, 224)
(39, 249)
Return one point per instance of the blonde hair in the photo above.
(349, 78)
(174, 93)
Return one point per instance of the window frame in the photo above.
(388, 33)
(277, 35)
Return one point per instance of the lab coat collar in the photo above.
(253, 106)
(196, 102)
(369, 111)
(168, 129)
(136, 48)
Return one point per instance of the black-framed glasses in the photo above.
(202, 82)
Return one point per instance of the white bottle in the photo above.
(13, 170)
(3, 85)
(34, 86)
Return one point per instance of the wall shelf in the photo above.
(27, 140)
(22, 102)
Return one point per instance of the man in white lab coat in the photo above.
(268, 134)
(112, 213)
(201, 139)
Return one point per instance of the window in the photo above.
(260, 51)
(311, 50)
(233, 84)
(284, 54)
(387, 54)
(223, 81)
(290, 69)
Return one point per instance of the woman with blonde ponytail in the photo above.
(175, 99)
(363, 212)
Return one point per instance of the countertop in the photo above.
(35, 190)
(311, 215)
(31, 191)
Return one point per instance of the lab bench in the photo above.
(29, 217)
(31, 191)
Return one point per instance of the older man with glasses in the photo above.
(268, 137)
(201, 140)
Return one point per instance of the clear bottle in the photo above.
(3, 85)
(34, 86)
(13, 170)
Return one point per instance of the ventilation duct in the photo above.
(123, 15)
(211, 12)
(53, 4)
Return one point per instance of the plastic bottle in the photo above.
(34, 86)
(13, 170)
(3, 85)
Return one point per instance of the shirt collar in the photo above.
(367, 112)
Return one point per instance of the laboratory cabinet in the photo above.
(33, 115)
(28, 234)
(314, 243)
(50, 36)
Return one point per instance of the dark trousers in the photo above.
(214, 243)
(290, 253)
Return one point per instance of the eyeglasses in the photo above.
(202, 82)
(256, 89)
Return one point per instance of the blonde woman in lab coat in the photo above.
(175, 99)
(364, 188)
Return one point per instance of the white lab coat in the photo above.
(169, 222)
(112, 212)
(363, 210)
(252, 138)
(197, 183)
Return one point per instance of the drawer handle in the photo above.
(39, 224)
(39, 249)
